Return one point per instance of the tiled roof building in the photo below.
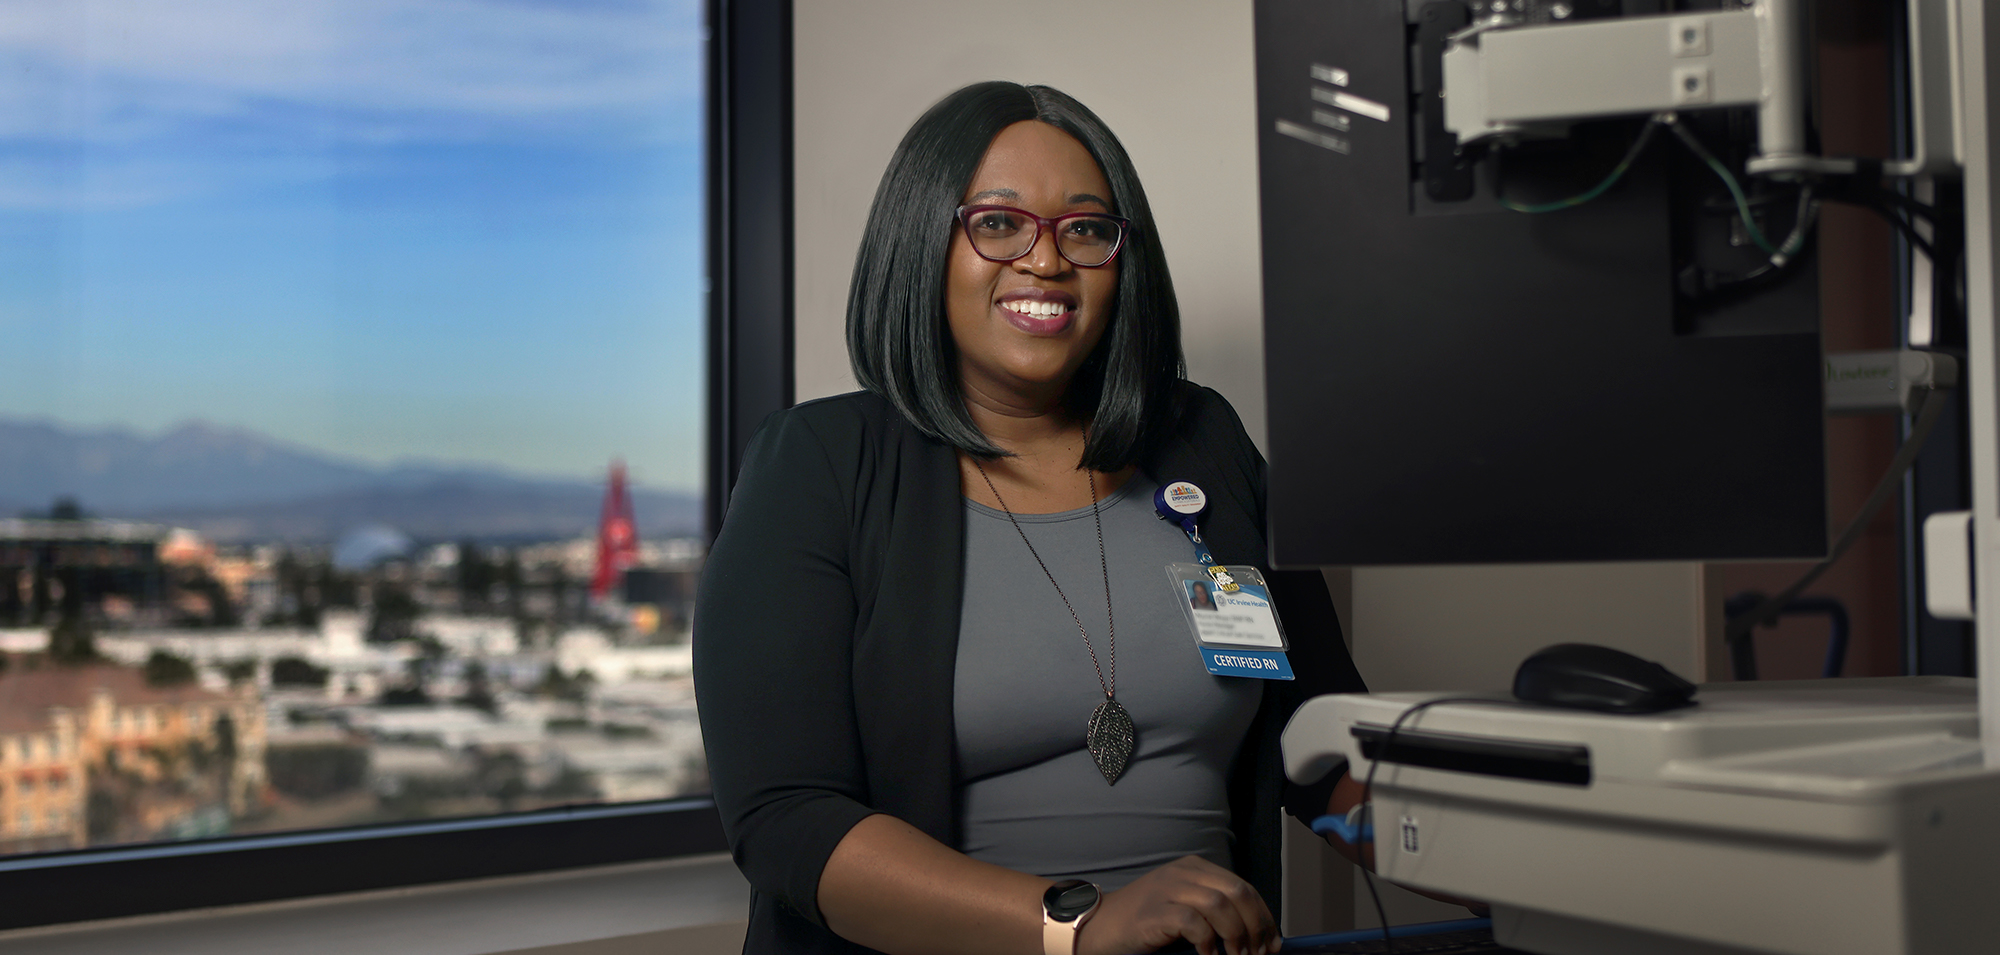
(170, 752)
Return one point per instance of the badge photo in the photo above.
(1234, 623)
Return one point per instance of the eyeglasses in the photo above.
(1004, 233)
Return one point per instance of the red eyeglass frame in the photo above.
(966, 212)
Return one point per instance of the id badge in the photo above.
(1235, 625)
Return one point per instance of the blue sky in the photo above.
(445, 230)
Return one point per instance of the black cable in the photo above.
(1928, 411)
(1891, 205)
(1909, 203)
(1908, 229)
(1702, 286)
(1368, 792)
(1368, 876)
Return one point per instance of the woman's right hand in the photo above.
(1189, 898)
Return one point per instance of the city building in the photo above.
(86, 562)
(173, 754)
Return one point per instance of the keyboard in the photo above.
(1459, 937)
(1472, 942)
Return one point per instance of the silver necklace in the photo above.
(1110, 736)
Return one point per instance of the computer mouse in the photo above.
(1589, 677)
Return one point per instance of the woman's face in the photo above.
(1023, 327)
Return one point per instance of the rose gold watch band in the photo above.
(1059, 938)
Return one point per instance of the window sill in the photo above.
(694, 904)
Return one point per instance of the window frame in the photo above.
(749, 344)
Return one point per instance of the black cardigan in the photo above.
(826, 636)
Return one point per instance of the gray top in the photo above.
(1033, 799)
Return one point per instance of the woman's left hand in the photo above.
(1189, 898)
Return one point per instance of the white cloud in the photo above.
(111, 71)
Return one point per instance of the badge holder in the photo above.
(1228, 609)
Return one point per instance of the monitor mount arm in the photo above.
(1506, 78)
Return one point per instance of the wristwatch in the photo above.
(1065, 907)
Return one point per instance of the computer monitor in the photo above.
(1451, 380)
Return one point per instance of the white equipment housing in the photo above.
(1512, 79)
(1823, 817)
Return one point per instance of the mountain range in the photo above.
(237, 485)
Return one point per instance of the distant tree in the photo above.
(294, 671)
(561, 686)
(503, 776)
(40, 597)
(626, 731)
(316, 770)
(102, 813)
(300, 600)
(572, 783)
(527, 630)
(331, 588)
(221, 610)
(72, 642)
(164, 669)
(394, 614)
(478, 692)
(476, 577)
(66, 509)
(225, 737)
(406, 695)
(514, 581)
(225, 752)
(288, 574)
(559, 588)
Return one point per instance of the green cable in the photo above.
(1617, 173)
(1735, 189)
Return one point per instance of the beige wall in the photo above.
(1171, 77)
(1467, 628)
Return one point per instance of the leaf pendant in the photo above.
(1110, 739)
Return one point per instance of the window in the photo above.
(341, 322)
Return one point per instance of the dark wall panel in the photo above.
(1453, 382)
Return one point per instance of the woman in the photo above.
(926, 595)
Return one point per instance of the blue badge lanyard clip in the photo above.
(1184, 504)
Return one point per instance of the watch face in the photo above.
(1068, 900)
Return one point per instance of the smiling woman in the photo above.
(936, 741)
(408, 275)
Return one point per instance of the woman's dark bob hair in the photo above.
(897, 335)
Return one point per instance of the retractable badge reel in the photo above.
(1228, 608)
